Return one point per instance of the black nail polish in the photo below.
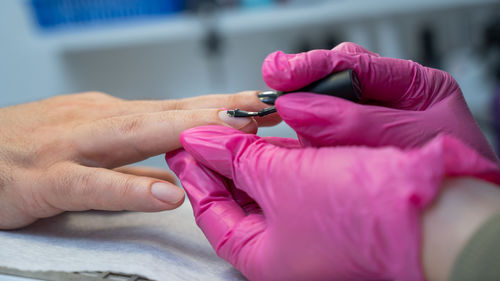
(268, 97)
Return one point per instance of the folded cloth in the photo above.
(159, 246)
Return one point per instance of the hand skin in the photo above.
(66, 153)
(447, 225)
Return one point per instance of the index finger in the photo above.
(122, 140)
(246, 100)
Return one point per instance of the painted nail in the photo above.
(268, 97)
(234, 122)
(167, 193)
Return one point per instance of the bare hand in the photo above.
(65, 153)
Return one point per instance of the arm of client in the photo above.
(463, 207)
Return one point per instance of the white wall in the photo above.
(32, 65)
(28, 69)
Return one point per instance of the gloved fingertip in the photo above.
(352, 48)
(289, 72)
(276, 71)
(177, 160)
(203, 134)
(216, 146)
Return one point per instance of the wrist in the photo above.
(459, 211)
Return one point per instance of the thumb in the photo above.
(72, 187)
(325, 121)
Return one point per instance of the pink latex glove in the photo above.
(329, 213)
(414, 103)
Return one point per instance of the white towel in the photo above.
(159, 246)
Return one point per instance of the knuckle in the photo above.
(84, 181)
(61, 181)
(129, 126)
(69, 183)
(174, 104)
(167, 105)
(97, 95)
(40, 204)
(246, 100)
(447, 77)
(6, 173)
(125, 189)
(63, 184)
(346, 45)
(128, 186)
(234, 100)
(5, 180)
(444, 81)
(85, 190)
(79, 189)
(89, 95)
(79, 106)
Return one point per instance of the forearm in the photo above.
(462, 207)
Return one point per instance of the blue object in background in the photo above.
(256, 3)
(51, 14)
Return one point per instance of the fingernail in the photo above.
(167, 193)
(235, 122)
(268, 97)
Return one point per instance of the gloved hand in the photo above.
(403, 103)
(329, 213)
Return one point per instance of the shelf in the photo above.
(173, 28)
(331, 12)
(272, 18)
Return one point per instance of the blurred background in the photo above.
(180, 48)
